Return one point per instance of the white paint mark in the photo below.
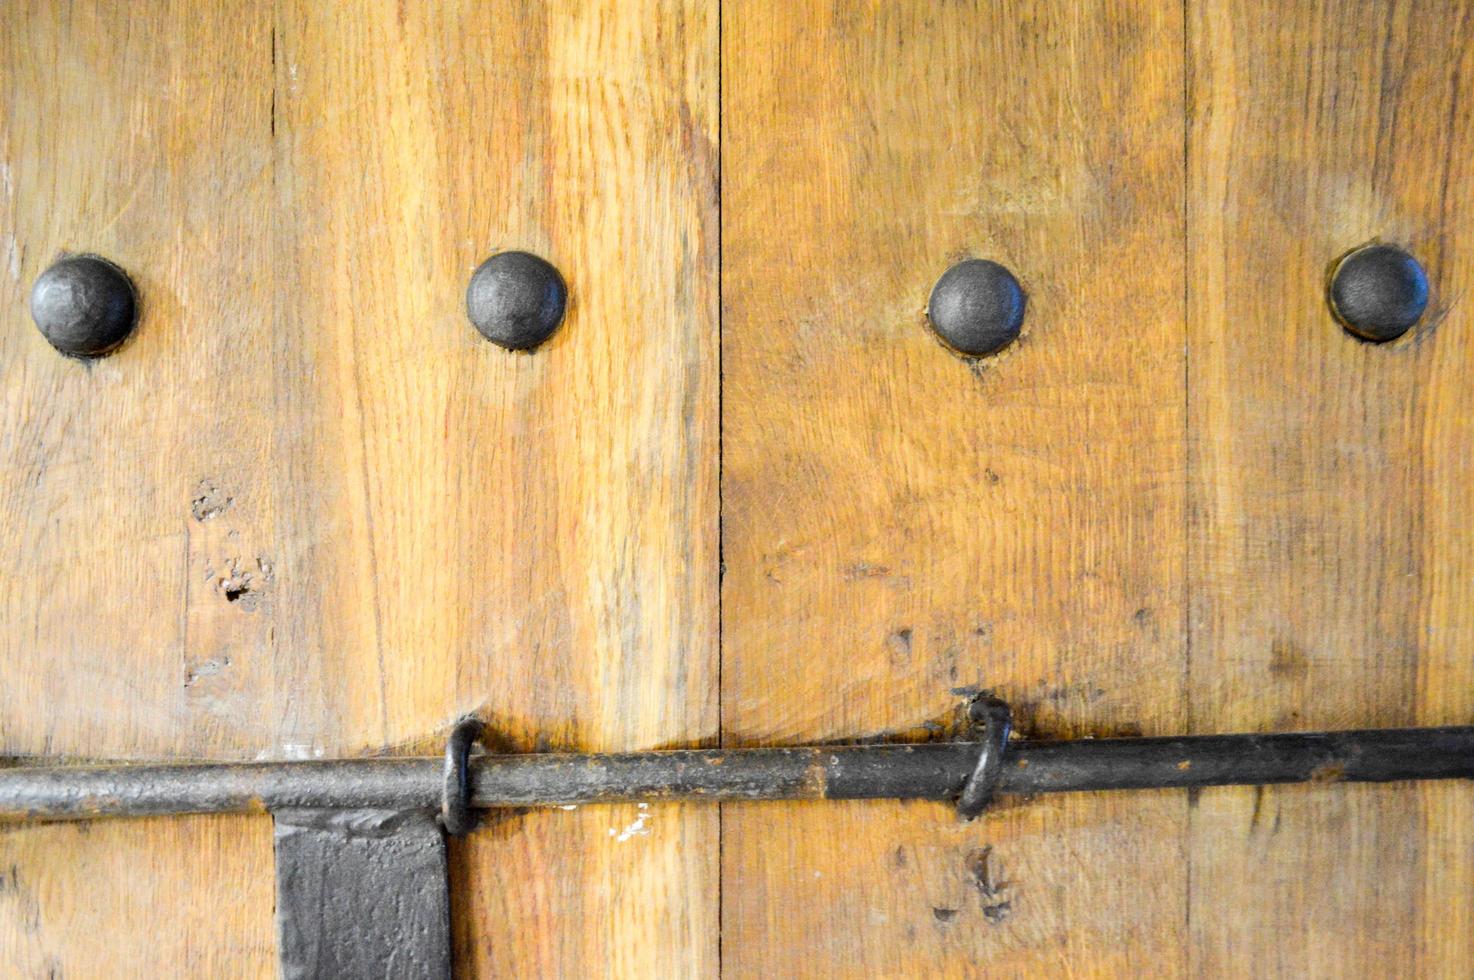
(296, 751)
(636, 829)
(569, 806)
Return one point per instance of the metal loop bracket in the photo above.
(994, 721)
(456, 814)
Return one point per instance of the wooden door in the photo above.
(744, 496)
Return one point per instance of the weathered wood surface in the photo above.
(146, 137)
(1331, 572)
(900, 523)
(894, 524)
(308, 510)
(160, 897)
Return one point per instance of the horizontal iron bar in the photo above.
(927, 771)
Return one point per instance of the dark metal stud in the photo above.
(516, 300)
(1378, 292)
(84, 305)
(977, 307)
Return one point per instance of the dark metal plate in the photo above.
(361, 894)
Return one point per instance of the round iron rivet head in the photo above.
(1378, 292)
(977, 307)
(516, 300)
(84, 305)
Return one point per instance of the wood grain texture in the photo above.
(123, 133)
(308, 511)
(608, 891)
(150, 144)
(534, 535)
(165, 897)
(1332, 565)
(900, 524)
(890, 889)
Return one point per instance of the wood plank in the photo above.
(1330, 573)
(534, 535)
(308, 510)
(617, 891)
(165, 897)
(900, 523)
(889, 889)
(124, 133)
(1332, 881)
(530, 535)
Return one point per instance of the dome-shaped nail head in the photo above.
(516, 300)
(977, 307)
(1378, 292)
(84, 305)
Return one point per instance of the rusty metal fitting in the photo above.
(456, 814)
(994, 721)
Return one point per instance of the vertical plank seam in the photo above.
(1187, 440)
(721, 476)
(278, 137)
(1189, 484)
(273, 257)
(1431, 950)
